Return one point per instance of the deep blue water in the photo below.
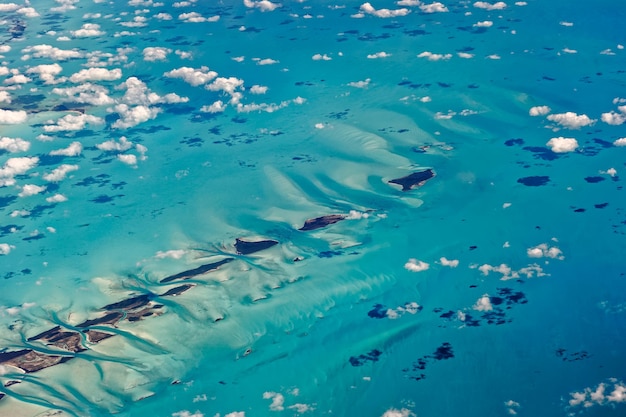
(136, 145)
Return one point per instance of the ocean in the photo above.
(247, 208)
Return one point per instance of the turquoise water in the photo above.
(495, 288)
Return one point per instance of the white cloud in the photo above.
(111, 145)
(186, 413)
(9, 7)
(128, 159)
(511, 407)
(5, 248)
(258, 89)
(562, 145)
(17, 79)
(493, 56)
(278, 400)
(539, 110)
(605, 394)
(194, 17)
(88, 30)
(88, 93)
(72, 122)
(16, 166)
(31, 189)
(410, 308)
(360, 84)
(267, 61)
(54, 53)
(74, 149)
(320, 57)
(436, 7)
(614, 118)
(155, 53)
(529, 271)
(543, 250)
(59, 173)
(96, 74)
(163, 16)
(620, 142)
(229, 86)
(434, 57)
(489, 6)
(483, 304)
(392, 412)
(379, 55)
(465, 55)
(192, 76)
(5, 97)
(14, 144)
(11, 117)
(57, 198)
(132, 116)
(570, 51)
(47, 72)
(567, 24)
(484, 24)
(237, 414)
(262, 5)
(216, 107)
(452, 263)
(414, 265)
(383, 13)
(571, 120)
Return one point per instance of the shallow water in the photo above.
(494, 288)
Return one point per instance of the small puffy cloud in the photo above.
(74, 149)
(12, 117)
(88, 93)
(155, 53)
(192, 76)
(16, 166)
(620, 142)
(216, 107)
(13, 145)
(562, 145)
(88, 30)
(566, 24)
(5, 97)
(186, 413)
(570, 51)
(393, 412)
(5, 248)
(173, 254)
(131, 116)
(383, 13)
(96, 74)
(360, 84)
(262, 5)
(17, 79)
(483, 304)
(278, 400)
(163, 16)
(571, 120)
(407, 308)
(111, 145)
(243, 414)
(545, 251)
(266, 61)
(489, 6)
(615, 118)
(57, 198)
(378, 55)
(436, 7)
(73, 122)
(59, 173)
(128, 159)
(452, 263)
(31, 189)
(195, 17)
(258, 89)
(9, 7)
(483, 24)
(47, 72)
(539, 110)
(512, 407)
(465, 55)
(434, 57)
(51, 52)
(414, 265)
(321, 57)
(606, 393)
